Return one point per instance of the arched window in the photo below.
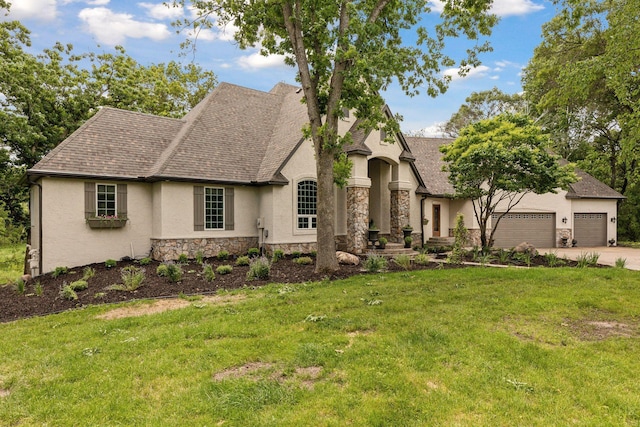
(307, 196)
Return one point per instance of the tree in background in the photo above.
(48, 96)
(346, 54)
(583, 80)
(481, 106)
(497, 162)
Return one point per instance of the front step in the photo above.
(391, 250)
(440, 241)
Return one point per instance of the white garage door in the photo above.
(534, 228)
(590, 229)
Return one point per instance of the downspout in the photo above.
(424, 197)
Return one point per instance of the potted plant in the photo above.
(407, 241)
(382, 243)
(373, 233)
(107, 221)
(407, 230)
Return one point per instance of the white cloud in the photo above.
(42, 10)
(501, 8)
(257, 61)
(478, 72)
(161, 12)
(113, 28)
(432, 131)
(89, 2)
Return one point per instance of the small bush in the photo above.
(173, 272)
(199, 257)
(224, 269)
(553, 260)
(38, 289)
(524, 257)
(403, 261)
(589, 259)
(223, 255)
(162, 270)
(375, 263)
(79, 285)
(296, 254)
(253, 252)
(145, 261)
(621, 262)
(59, 271)
(242, 260)
(303, 260)
(278, 254)
(68, 293)
(313, 254)
(88, 273)
(461, 235)
(259, 269)
(208, 273)
(183, 259)
(503, 256)
(19, 286)
(110, 263)
(421, 259)
(132, 278)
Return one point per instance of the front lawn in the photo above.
(471, 347)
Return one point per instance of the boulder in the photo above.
(526, 247)
(347, 258)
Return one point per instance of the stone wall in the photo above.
(560, 233)
(289, 248)
(357, 219)
(170, 249)
(400, 211)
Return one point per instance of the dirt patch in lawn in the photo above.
(162, 305)
(598, 330)
(306, 377)
(4, 393)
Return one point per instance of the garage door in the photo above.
(535, 228)
(590, 229)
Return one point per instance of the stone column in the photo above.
(400, 209)
(357, 218)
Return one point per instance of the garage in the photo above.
(538, 229)
(590, 229)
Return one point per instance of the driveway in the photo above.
(608, 255)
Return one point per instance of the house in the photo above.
(585, 212)
(236, 173)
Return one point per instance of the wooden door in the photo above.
(435, 227)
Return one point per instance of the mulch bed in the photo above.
(14, 305)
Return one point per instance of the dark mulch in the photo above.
(14, 305)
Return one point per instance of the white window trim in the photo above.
(296, 229)
(115, 202)
(204, 207)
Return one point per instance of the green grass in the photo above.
(11, 262)
(468, 347)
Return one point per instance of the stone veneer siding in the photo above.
(170, 249)
(357, 219)
(289, 248)
(400, 208)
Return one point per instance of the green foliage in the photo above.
(208, 273)
(145, 261)
(259, 269)
(500, 160)
(587, 259)
(171, 271)
(403, 261)
(67, 292)
(374, 263)
(461, 235)
(132, 278)
(503, 256)
(110, 263)
(59, 271)
(253, 252)
(303, 260)
(88, 273)
(199, 257)
(183, 259)
(524, 257)
(79, 285)
(553, 260)
(38, 289)
(242, 260)
(408, 240)
(223, 255)
(11, 262)
(383, 241)
(224, 269)
(19, 286)
(296, 254)
(421, 259)
(621, 262)
(278, 254)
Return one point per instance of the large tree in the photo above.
(583, 80)
(496, 162)
(346, 53)
(481, 106)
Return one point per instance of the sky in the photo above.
(144, 29)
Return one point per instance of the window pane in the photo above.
(106, 200)
(306, 204)
(214, 208)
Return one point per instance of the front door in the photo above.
(436, 221)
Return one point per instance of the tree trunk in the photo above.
(326, 261)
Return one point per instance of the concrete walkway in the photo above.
(608, 255)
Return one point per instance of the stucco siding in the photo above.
(69, 241)
(543, 203)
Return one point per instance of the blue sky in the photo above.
(143, 28)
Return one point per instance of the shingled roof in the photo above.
(429, 164)
(235, 135)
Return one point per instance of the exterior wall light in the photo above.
(564, 220)
(613, 219)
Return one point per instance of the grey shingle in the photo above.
(428, 162)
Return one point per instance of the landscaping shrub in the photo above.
(183, 259)
(224, 269)
(303, 260)
(208, 273)
(199, 257)
(110, 263)
(145, 261)
(421, 259)
(173, 272)
(79, 285)
(223, 255)
(253, 252)
(460, 234)
(88, 273)
(621, 262)
(296, 254)
(19, 286)
(242, 260)
(403, 261)
(375, 263)
(68, 293)
(132, 277)
(59, 271)
(259, 269)
(278, 254)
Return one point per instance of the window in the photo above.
(213, 208)
(307, 196)
(106, 200)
